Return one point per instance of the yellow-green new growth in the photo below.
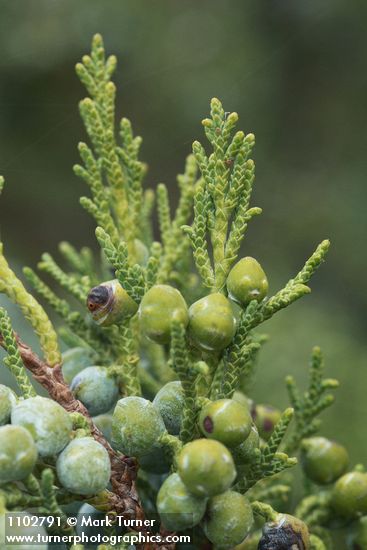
(32, 311)
(14, 361)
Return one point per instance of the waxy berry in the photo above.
(206, 467)
(170, 402)
(225, 420)
(47, 421)
(349, 495)
(212, 323)
(228, 519)
(96, 389)
(178, 508)
(247, 281)
(136, 426)
(18, 453)
(84, 467)
(159, 307)
(8, 400)
(323, 460)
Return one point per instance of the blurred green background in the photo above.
(295, 73)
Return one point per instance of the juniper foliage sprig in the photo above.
(314, 509)
(61, 307)
(112, 171)
(147, 206)
(153, 265)
(221, 204)
(126, 361)
(248, 376)
(271, 492)
(31, 309)
(32, 485)
(37, 493)
(186, 372)
(310, 404)
(241, 351)
(82, 262)
(14, 498)
(270, 460)
(232, 365)
(174, 243)
(131, 278)
(66, 281)
(264, 510)
(13, 360)
(88, 336)
(293, 290)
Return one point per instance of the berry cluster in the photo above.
(149, 408)
(39, 428)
